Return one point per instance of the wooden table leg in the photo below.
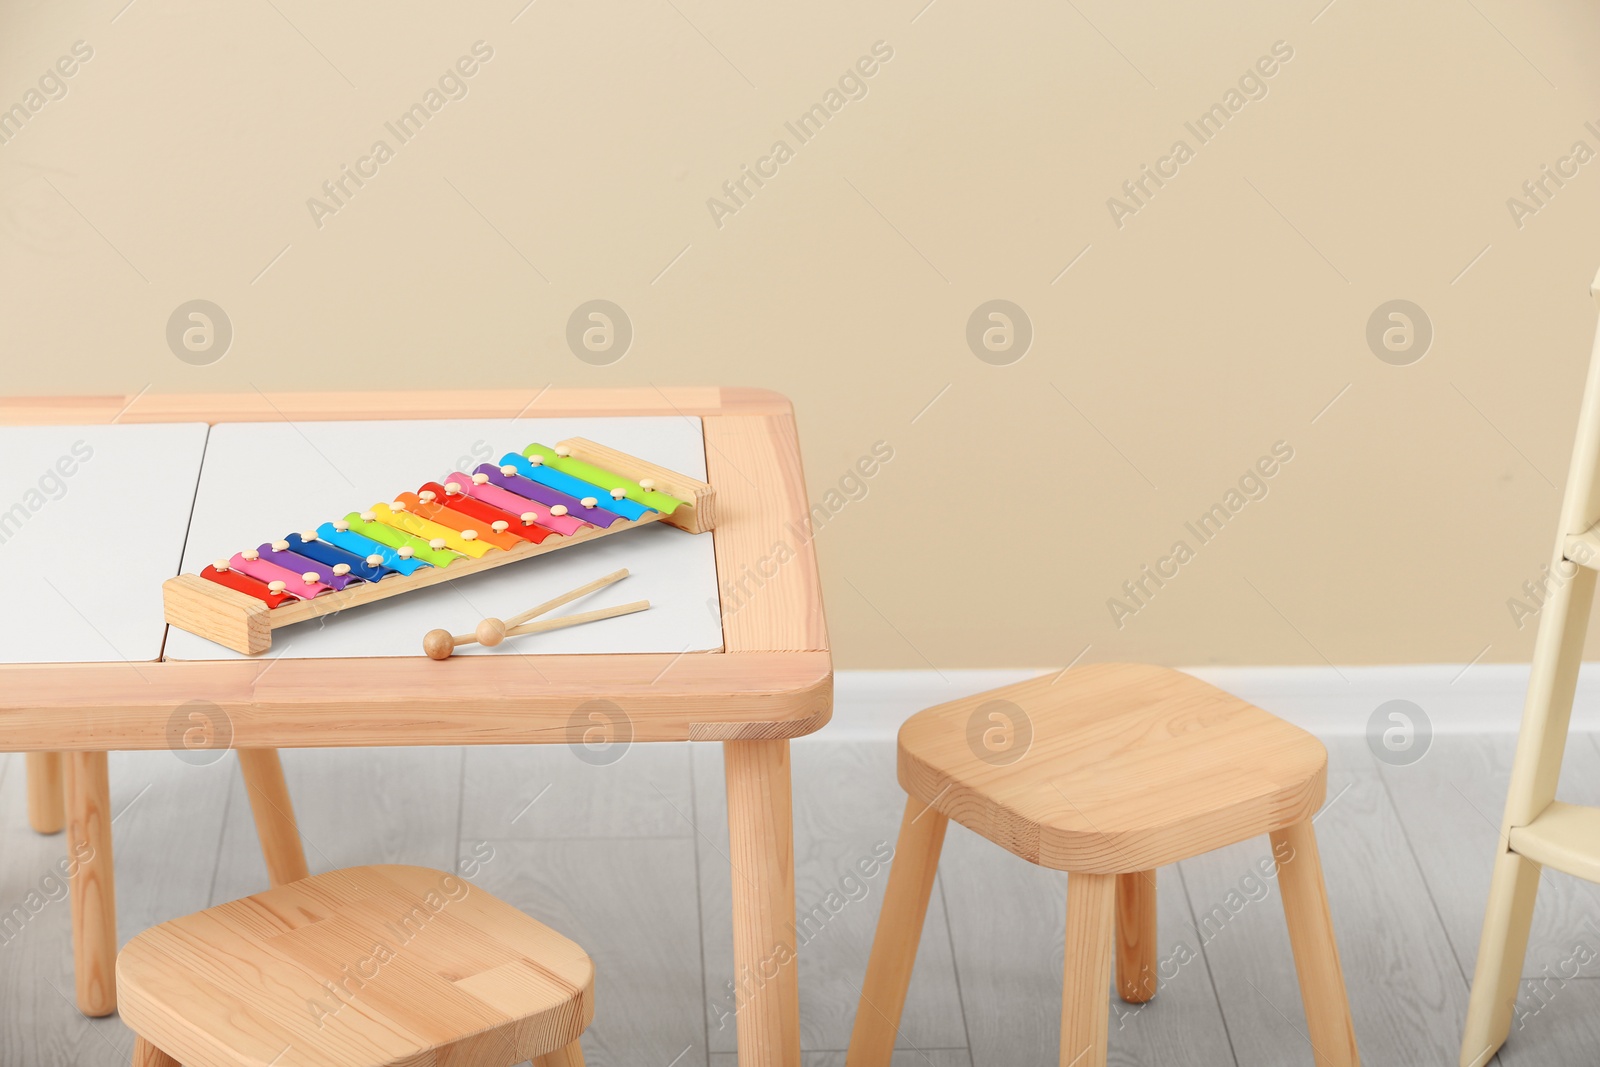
(147, 1055)
(1136, 936)
(1316, 954)
(1086, 977)
(47, 798)
(94, 893)
(894, 946)
(274, 814)
(761, 850)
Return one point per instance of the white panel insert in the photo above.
(92, 520)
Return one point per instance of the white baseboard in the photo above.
(1483, 698)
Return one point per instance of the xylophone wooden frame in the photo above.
(244, 623)
(773, 680)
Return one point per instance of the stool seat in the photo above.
(1111, 768)
(362, 967)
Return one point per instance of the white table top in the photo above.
(255, 482)
(92, 521)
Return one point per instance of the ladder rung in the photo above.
(1584, 548)
(1564, 836)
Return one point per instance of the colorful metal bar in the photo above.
(340, 535)
(650, 498)
(302, 565)
(270, 573)
(397, 539)
(553, 498)
(432, 510)
(506, 500)
(436, 535)
(480, 511)
(312, 546)
(243, 583)
(588, 493)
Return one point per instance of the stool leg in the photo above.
(147, 1055)
(571, 1056)
(1316, 955)
(894, 947)
(47, 796)
(1136, 936)
(274, 814)
(1085, 1008)
(94, 891)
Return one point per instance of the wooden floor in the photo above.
(630, 860)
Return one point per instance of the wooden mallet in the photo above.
(439, 644)
(491, 632)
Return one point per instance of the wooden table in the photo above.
(772, 681)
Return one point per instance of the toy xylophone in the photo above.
(529, 503)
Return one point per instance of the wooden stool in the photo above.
(1107, 772)
(362, 967)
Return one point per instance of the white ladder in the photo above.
(1538, 830)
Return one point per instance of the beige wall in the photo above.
(1216, 321)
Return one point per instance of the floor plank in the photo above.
(1560, 1025)
(632, 906)
(934, 1057)
(354, 806)
(167, 823)
(1008, 922)
(1450, 803)
(847, 809)
(39, 1022)
(531, 792)
(1407, 994)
